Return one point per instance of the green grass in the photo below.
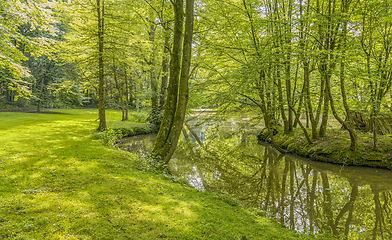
(58, 181)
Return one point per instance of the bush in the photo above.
(110, 137)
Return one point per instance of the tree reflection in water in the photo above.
(301, 194)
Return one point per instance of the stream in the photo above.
(308, 196)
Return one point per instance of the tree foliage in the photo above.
(17, 20)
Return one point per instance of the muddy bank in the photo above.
(334, 148)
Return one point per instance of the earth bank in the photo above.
(334, 148)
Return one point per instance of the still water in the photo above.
(308, 196)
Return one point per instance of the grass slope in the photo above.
(59, 182)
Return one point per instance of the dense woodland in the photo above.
(282, 60)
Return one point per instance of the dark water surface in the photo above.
(354, 202)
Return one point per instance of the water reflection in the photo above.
(304, 195)
(141, 143)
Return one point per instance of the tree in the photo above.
(100, 35)
(180, 63)
(101, 40)
(38, 15)
(376, 44)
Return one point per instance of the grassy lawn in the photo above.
(58, 181)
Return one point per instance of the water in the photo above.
(307, 196)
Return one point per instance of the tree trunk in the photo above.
(281, 105)
(120, 94)
(175, 66)
(307, 117)
(136, 100)
(299, 110)
(174, 114)
(324, 120)
(349, 123)
(154, 85)
(39, 106)
(313, 121)
(165, 71)
(301, 125)
(269, 119)
(288, 37)
(353, 136)
(375, 126)
(306, 68)
(126, 94)
(101, 98)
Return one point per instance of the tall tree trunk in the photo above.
(169, 134)
(324, 120)
(175, 66)
(101, 98)
(154, 85)
(288, 96)
(165, 71)
(349, 123)
(288, 37)
(136, 99)
(313, 121)
(120, 94)
(281, 105)
(306, 71)
(300, 105)
(126, 94)
(307, 118)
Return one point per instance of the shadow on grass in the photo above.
(50, 112)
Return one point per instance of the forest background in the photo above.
(281, 60)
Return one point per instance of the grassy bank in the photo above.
(58, 181)
(334, 148)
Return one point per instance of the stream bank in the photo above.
(334, 148)
(135, 129)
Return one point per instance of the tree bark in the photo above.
(288, 36)
(126, 94)
(353, 136)
(174, 114)
(101, 98)
(306, 74)
(348, 125)
(120, 94)
(165, 71)
(136, 100)
(324, 120)
(175, 67)
(153, 78)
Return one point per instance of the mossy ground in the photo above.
(335, 147)
(58, 181)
